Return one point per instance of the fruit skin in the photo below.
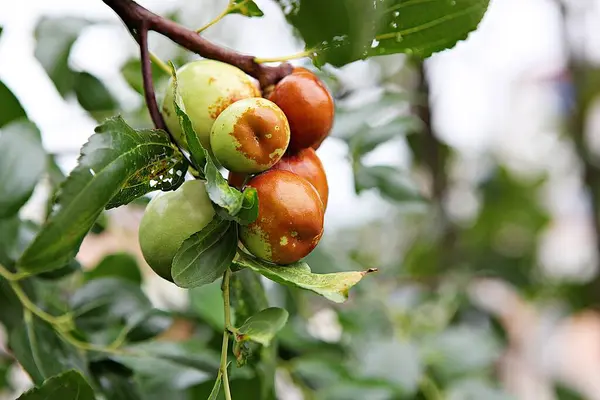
(250, 135)
(307, 165)
(206, 88)
(308, 106)
(290, 218)
(170, 218)
(236, 179)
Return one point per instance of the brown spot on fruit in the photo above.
(307, 165)
(308, 106)
(261, 134)
(290, 218)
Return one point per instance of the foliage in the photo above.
(409, 331)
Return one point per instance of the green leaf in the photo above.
(342, 31)
(132, 72)
(55, 37)
(247, 8)
(204, 256)
(104, 307)
(331, 286)
(378, 359)
(248, 295)
(22, 163)
(92, 94)
(115, 380)
(262, 327)
(390, 181)
(371, 137)
(207, 302)
(473, 389)
(214, 393)
(117, 165)
(11, 107)
(179, 365)
(249, 211)
(41, 352)
(69, 385)
(119, 265)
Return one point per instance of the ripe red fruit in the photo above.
(308, 106)
(307, 165)
(290, 218)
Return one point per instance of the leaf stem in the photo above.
(13, 276)
(62, 320)
(217, 18)
(295, 56)
(227, 310)
(160, 63)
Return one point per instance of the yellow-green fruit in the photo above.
(169, 219)
(206, 88)
(250, 135)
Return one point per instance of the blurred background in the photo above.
(471, 181)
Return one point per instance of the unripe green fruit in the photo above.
(170, 218)
(206, 88)
(250, 135)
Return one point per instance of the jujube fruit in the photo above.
(250, 135)
(307, 165)
(206, 88)
(290, 218)
(170, 218)
(308, 106)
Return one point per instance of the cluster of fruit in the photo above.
(267, 143)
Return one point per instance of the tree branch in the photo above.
(135, 16)
(157, 119)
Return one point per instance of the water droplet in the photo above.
(374, 43)
(396, 13)
(394, 24)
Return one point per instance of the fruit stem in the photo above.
(295, 56)
(227, 310)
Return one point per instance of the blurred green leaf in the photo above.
(41, 352)
(11, 107)
(55, 37)
(476, 390)
(178, 365)
(263, 327)
(240, 389)
(118, 265)
(342, 31)
(104, 307)
(331, 286)
(204, 256)
(395, 362)
(247, 8)
(132, 72)
(92, 94)
(115, 380)
(22, 162)
(461, 350)
(391, 182)
(68, 385)
(207, 303)
(350, 389)
(118, 164)
(70, 268)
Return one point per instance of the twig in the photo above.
(135, 16)
(149, 94)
